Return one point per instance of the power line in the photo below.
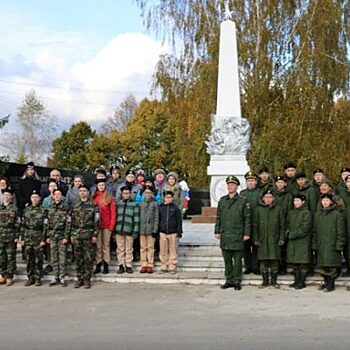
(71, 88)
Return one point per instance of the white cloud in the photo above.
(125, 64)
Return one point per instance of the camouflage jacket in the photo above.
(84, 220)
(32, 228)
(9, 223)
(57, 225)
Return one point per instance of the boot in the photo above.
(265, 282)
(274, 280)
(121, 269)
(129, 269)
(296, 279)
(79, 284)
(105, 268)
(87, 284)
(323, 285)
(330, 285)
(30, 282)
(37, 282)
(97, 268)
(301, 281)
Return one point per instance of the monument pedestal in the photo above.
(219, 168)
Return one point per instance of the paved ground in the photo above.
(135, 316)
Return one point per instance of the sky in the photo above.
(82, 57)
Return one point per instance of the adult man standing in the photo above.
(233, 228)
(55, 175)
(84, 230)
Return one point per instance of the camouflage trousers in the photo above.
(266, 265)
(7, 258)
(35, 259)
(58, 259)
(84, 252)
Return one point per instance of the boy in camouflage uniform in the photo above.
(84, 230)
(57, 228)
(9, 225)
(33, 237)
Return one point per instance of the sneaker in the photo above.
(129, 269)
(54, 282)
(144, 269)
(121, 270)
(149, 269)
(63, 282)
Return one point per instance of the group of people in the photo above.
(46, 218)
(288, 220)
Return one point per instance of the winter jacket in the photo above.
(329, 236)
(72, 196)
(299, 233)
(269, 229)
(107, 212)
(178, 198)
(233, 221)
(285, 200)
(170, 219)
(310, 194)
(149, 217)
(128, 218)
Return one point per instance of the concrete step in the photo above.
(203, 219)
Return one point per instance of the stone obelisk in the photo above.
(228, 142)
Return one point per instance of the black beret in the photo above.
(280, 178)
(97, 181)
(264, 169)
(126, 188)
(35, 192)
(300, 196)
(7, 190)
(343, 170)
(268, 192)
(301, 175)
(130, 172)
(289, 165)
(150, 188)
(326, 195)
(84, 186)
(317, 170)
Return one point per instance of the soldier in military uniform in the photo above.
(269, 236)
(253, 194)
(84, 230)
(233, 228)
(33, 237)
(265, 181)
(318, 176)
(57, 228)
(9, 225)
(285, 200)
(290, 170)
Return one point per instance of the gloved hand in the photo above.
(280, 243)
(257, 243)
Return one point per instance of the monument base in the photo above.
(219, 168)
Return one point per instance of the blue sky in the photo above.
(61, 46)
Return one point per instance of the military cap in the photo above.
(347, 178)
(35, 192)
(232, 179)
(171, 193)
(84, 186)
(264, 169)
(345, 169)
(317, 170)
(250, 175)
(97, 181)
(328, 182)
(327, 195)
(289, 165)
(301, 175)
(280, 178)
(268, 192)
(7, 190)
(300, 196)
(159, 171)
(30, 165)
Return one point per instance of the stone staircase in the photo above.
(199, 262)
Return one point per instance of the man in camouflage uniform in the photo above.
(9, 225)
(84, 230)
(57, 235)
(33, 237)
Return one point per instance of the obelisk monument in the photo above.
(228, 142)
